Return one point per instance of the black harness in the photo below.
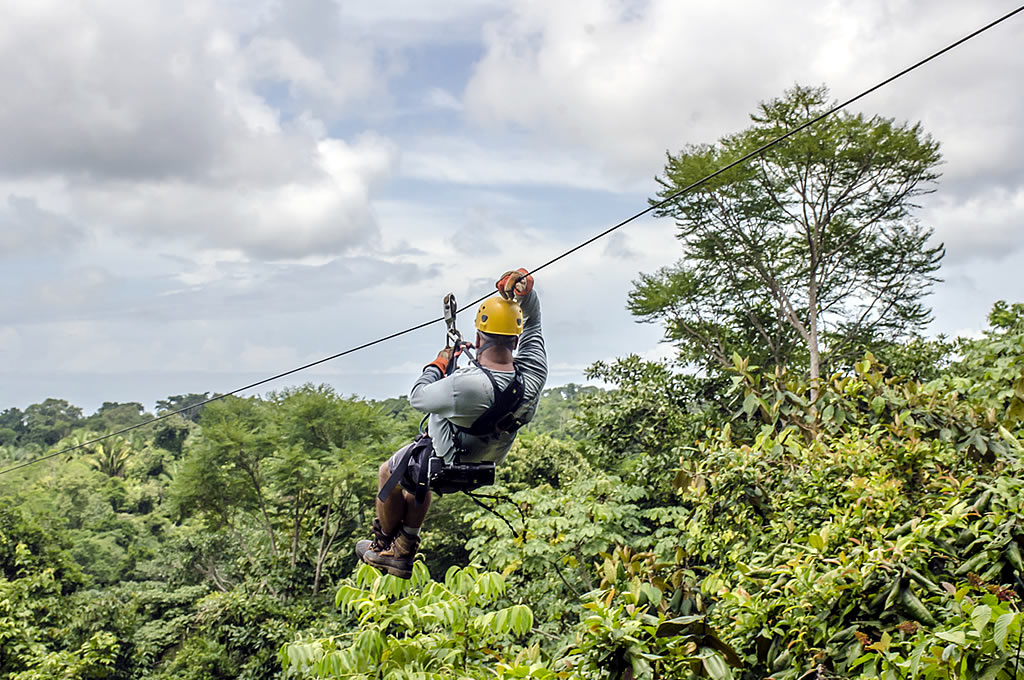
(429, 471)
(500, 416)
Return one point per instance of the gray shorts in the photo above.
(412, 472)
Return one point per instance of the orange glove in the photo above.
(518, 283)
(443, 357)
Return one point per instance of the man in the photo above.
(509, 373)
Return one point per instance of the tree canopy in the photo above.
(807, 254)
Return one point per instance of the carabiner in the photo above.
(450, 308)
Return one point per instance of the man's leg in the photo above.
(402, 517)
(391, 512)
(415, 512)
(400, 508)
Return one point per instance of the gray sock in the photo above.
(412, 531)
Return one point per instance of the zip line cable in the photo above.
(619, 225)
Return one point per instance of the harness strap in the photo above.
(500, 414)
(422, 482)
(396, 474)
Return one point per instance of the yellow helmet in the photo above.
(499, 316)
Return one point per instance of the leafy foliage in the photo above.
(670, 526)
(808, 253)
(420, 629)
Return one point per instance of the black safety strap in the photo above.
(402, 465)
(500, 414)
(396, 475)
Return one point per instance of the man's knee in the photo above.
(410, 498)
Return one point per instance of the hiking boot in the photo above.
(379, 543)
(397, 559)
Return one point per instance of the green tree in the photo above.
(223, 477)
(991, 369)
(806, 254)
(12, 425)
(111, 455)
(188, 404)
(288, 477)
(324, 465)
(49, 422)
(556, 410)
(115, 416)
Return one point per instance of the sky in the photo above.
(199, 194)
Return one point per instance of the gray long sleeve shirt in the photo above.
(464, 395)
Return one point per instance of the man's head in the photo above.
(509, 342)
(499, 323)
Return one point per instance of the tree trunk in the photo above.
(300, 514)
(325, 545)
(263, 508)
(812, 331)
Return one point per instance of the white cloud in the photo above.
(443, 100)
(74, 289)
(25, 227)
(461, 160)
(617, 245)
(988, 225)
(260, 357)
(404, 23)
(634, 79)
(163, 122)
(347, 75)
(631, 80)
(9, 339)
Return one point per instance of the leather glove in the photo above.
(517, 282)
(443, 357)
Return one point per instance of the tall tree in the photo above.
(115, 416)
(12, 425)
(189, 402)
(808, 253)
(298, 466)
(49, 422)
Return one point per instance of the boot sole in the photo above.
(389, 569)
(395, 571)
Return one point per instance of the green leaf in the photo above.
(522, 619)
(955, 636)
(673, 627)
(717, 668)
(1002, 629)
(915, 659)
(878, 405)
(980, 617)
(991, 670)
(750, 403)
(653, 594)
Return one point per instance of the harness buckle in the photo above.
(508, 423)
